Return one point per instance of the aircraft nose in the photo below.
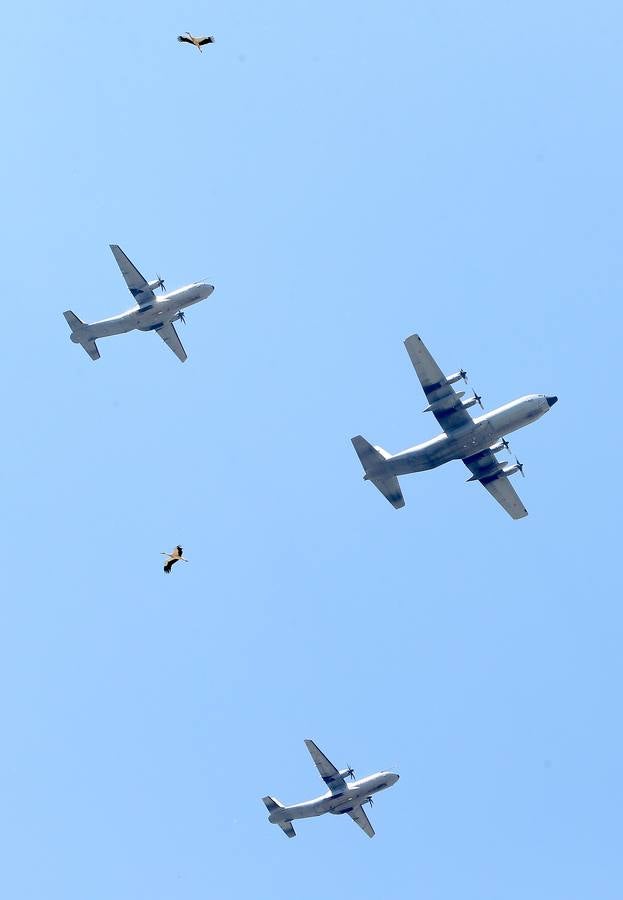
(551, 400)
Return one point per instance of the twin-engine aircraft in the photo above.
(475, 441)
(150, 314)
(340, 798)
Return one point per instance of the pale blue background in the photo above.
(344, 174)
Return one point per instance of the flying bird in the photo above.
(173, 558)
(198, 42)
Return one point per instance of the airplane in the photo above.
(474, 441)
(339, 799)
(150, 314)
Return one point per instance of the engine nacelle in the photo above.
(444, 403)
(346, 773)
(510, 470)
(499, 445)
(457, 376)
(154, 285)
(471, 402)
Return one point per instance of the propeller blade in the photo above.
(463, 375)
(478, 400)
(520, 467)
(161, 284)
(182, 317)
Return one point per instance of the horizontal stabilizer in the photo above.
(287, 828)
(73, 321)
(370, 457)
(390, 488)
(78, 334)
(373, 461)
(271, 804)
(91, 349)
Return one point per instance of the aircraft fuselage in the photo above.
(148, 317)
(463, 442)
(356, 793)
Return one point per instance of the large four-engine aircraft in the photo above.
(340, 798)
(150, 314)
(475, 441)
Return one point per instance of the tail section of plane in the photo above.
(373, 459)
(271, 804)
(77, 325)
(73, 321)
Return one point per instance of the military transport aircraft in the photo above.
(475, 441)
(340, 798)
(151, 313)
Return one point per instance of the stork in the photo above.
(174, 557)
(197, 42)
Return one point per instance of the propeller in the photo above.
(182, 316)
(478, 399)
(520, 467)
(160, 283)
(505, 443)
(463, 375)
(350, 772)
(369, 800)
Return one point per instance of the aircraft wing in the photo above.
(137, 285)
(169, 335)
(329, 774)
(486, 469)
(445, 403)
(358, 815)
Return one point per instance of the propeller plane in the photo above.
(474, 441)
(339, 799)
(150, 313)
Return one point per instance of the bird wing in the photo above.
(180, 552)
(167, 565)
(184, 40)
(205, 40)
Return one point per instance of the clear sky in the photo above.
(345, 175)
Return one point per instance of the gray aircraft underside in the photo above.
(150, 314)
(474, 441)
(340, 799)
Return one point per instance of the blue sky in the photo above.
(345, 175)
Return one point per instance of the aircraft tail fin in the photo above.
(76, 326)
(372, 459)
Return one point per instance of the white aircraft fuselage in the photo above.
(355, 793)
(479, 435)
(165, 308)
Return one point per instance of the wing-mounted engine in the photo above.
(500, 445)
(448, 402)
(158, 283)
(512, 470)
(461, 375)
(347, 773)
(476, 399)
